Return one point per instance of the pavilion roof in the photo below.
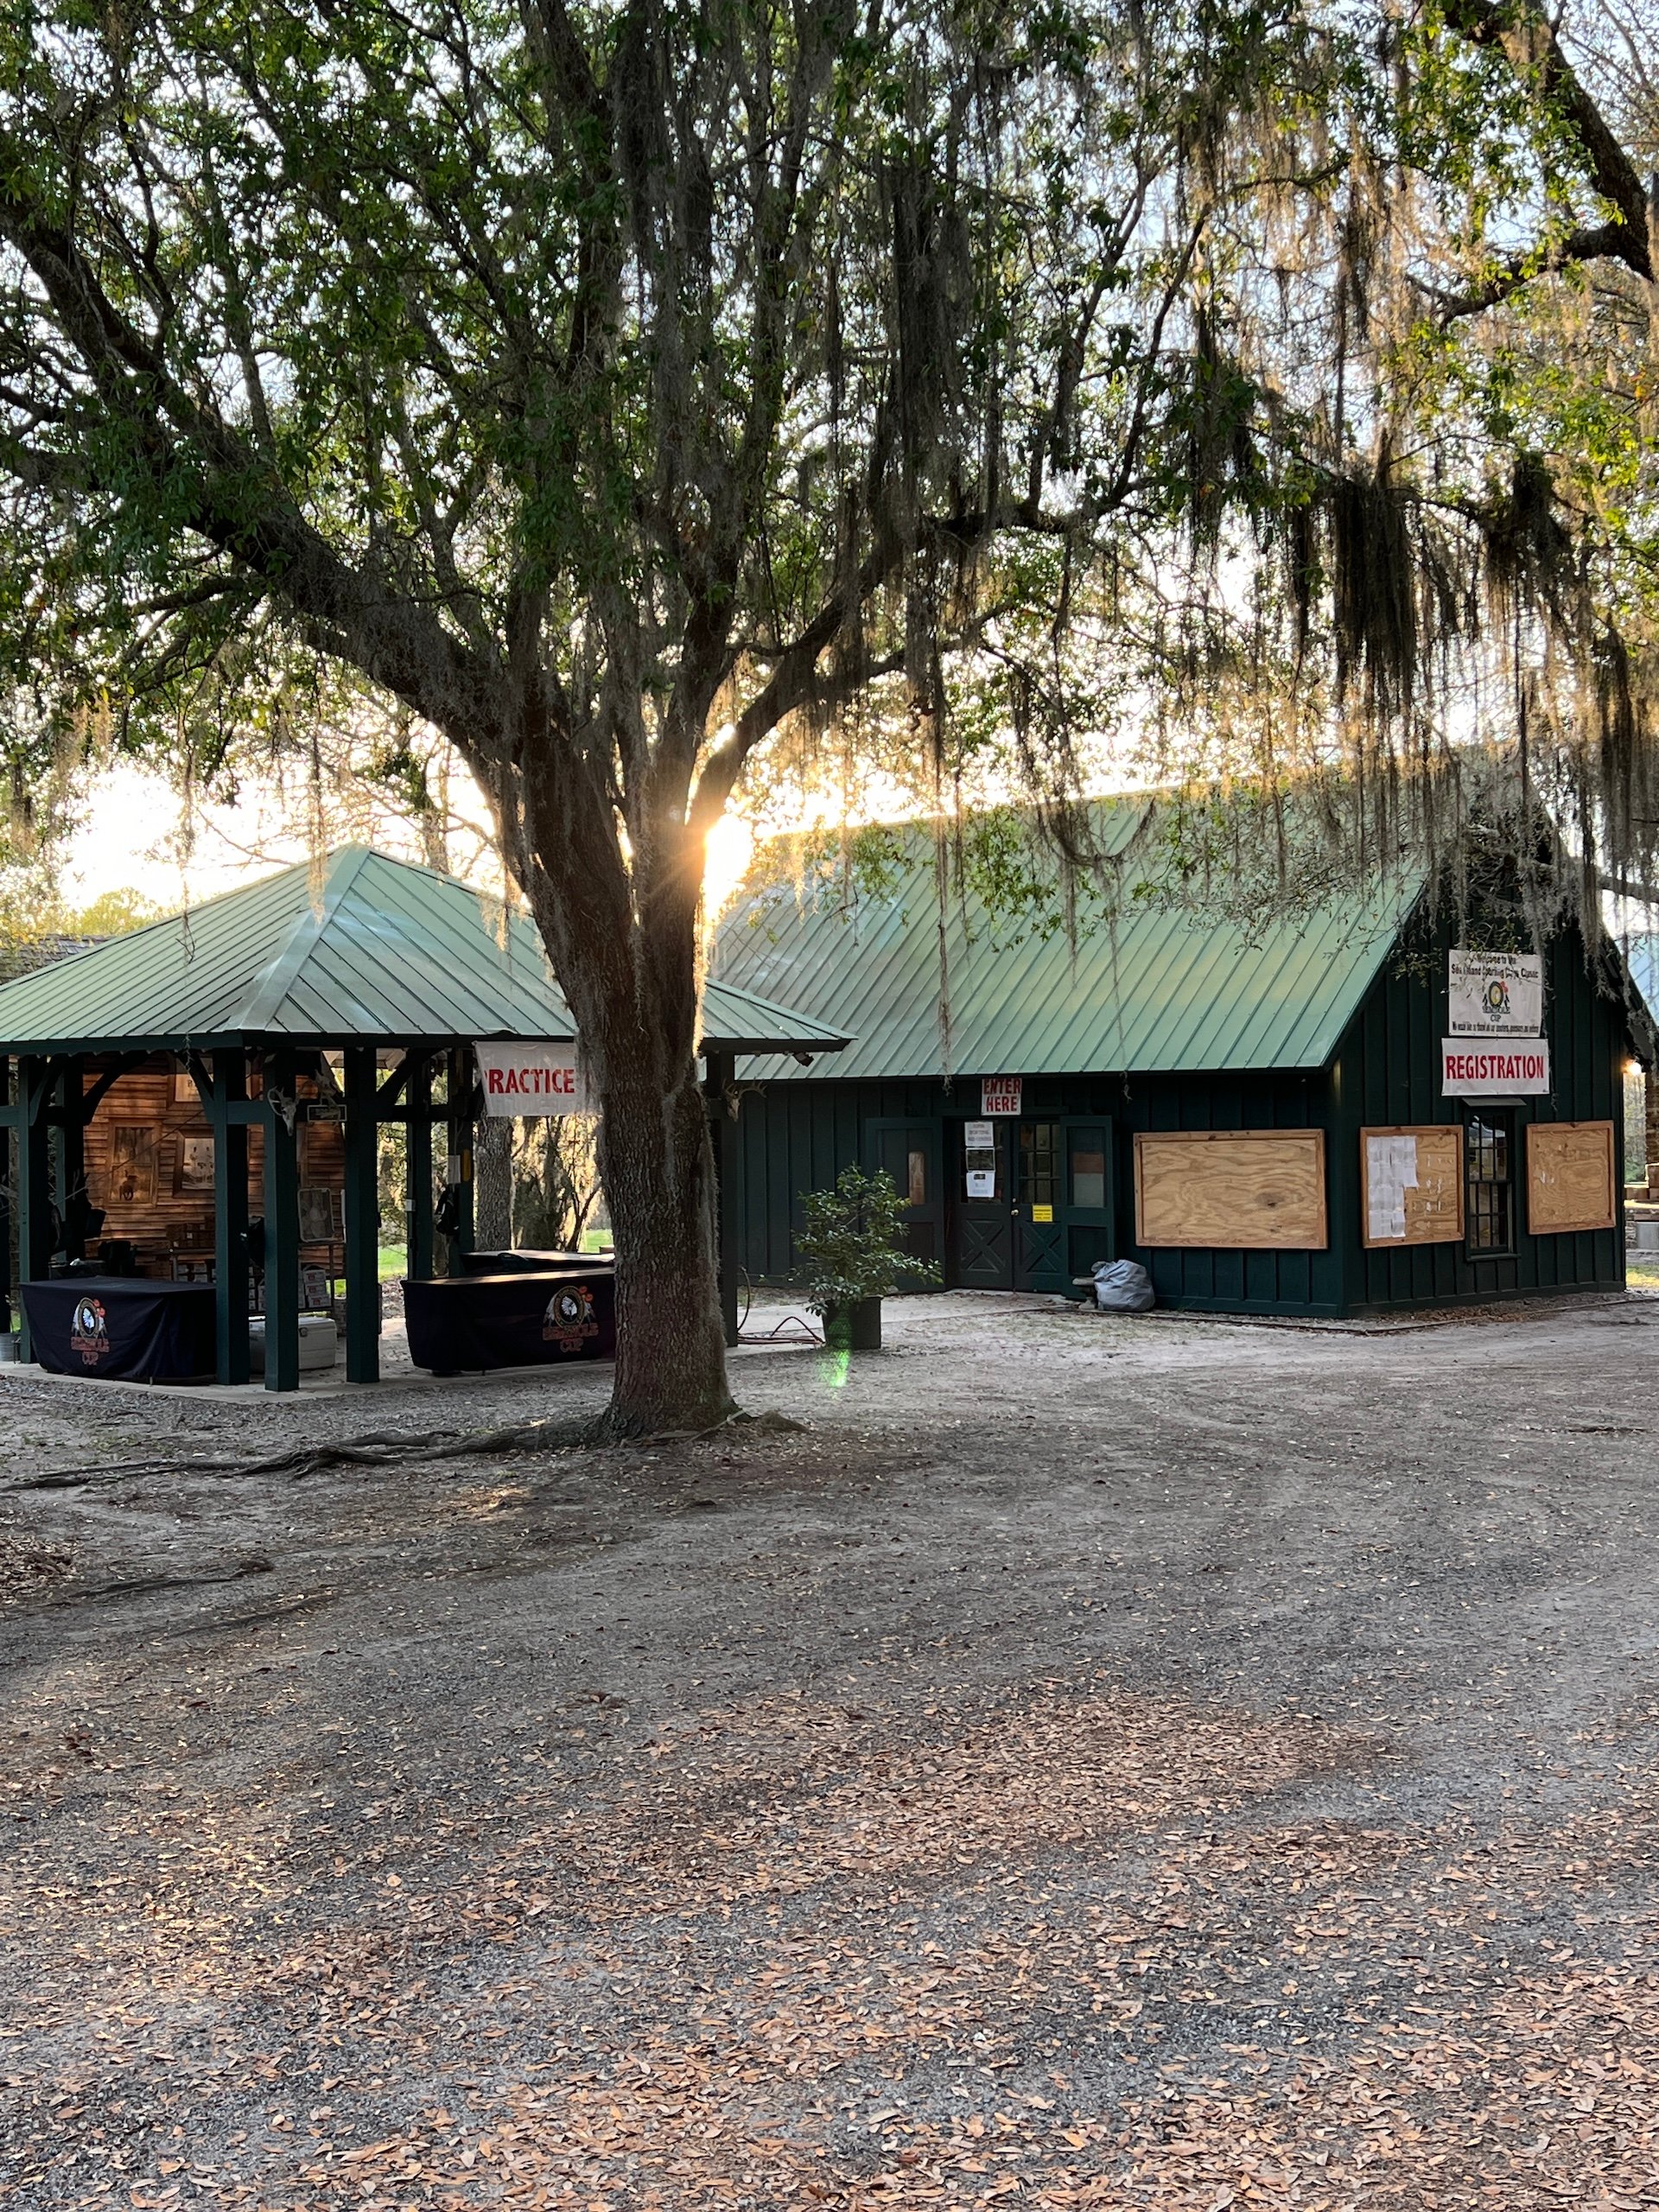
(356, 949)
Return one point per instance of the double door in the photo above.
(1030, 1200)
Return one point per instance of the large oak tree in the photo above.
(616, 384)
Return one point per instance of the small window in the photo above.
(1088, 1168)
(1039, 1162)
(1488, 1155)
(916, 1177)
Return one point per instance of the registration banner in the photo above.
(1495, 994)
(1516, 1069)
(521, 1080)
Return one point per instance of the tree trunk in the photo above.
(492, 1186)
(658, 1167)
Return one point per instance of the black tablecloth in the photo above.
(471, 1322)
(122, 1328)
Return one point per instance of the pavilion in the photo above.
(302, 1012)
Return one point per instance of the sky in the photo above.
(130, 838)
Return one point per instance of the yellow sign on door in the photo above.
(1042, 1213)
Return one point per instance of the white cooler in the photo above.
(319, 1343)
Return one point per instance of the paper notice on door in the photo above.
(1390, 1172)
(981, 1182)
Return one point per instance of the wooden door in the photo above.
(1039, 1206)
(982, 1209)
(909, 1151)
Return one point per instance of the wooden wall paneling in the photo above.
(171, 1212)
(1235, 1189)
(1432, 1211)
(1570, 1177)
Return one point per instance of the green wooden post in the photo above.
(722, 1139)
(418, 1106)
(34, 1181)
(228, 1090)
(362, 1219)
(459, 1089)
(282, 1231)
(7, 1110)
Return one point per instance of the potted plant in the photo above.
(853, 1241)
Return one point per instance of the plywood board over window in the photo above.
(1232, 1189)
(1411, 1180)
(1570, 1177)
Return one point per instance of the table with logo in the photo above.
(517, 1318)
(122, 1328)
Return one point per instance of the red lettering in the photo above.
(492, 1082)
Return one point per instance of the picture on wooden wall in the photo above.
(195, 1163)
(320, 1215)
(184, 1088)
(132, 1168)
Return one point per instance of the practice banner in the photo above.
(1495, 994)
(523, 1080)
(1518, 1069)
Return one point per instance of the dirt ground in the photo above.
(1115, 1762)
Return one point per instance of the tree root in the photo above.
(383, 1449)
(391, 1448)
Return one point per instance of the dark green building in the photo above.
(1270, 1120)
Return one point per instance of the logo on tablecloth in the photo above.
(87, 1333)
(568, 1321)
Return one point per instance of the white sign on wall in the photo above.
(1517, 1068)
(999, 1094)
(1495, 994)
(521, 1080)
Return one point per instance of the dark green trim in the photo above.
(36, 1081)
(282, 1233)
(720, 1070)
(362, 1219)
(223, 1095)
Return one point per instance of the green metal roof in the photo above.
(1152, 991)
(360, 948)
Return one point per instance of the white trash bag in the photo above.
(1121, 1286)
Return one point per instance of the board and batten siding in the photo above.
(796, 1134)
(1387, 1070)
(1216, 1279)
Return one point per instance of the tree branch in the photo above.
(1504, 29)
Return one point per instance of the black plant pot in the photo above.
(855, 1327)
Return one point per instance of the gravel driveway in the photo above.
(1110, 1763)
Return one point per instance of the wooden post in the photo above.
(718, 1068)
(281, 1230)
(458, 1088)
(34, 1181)
(362, 1219)
(7, 1111)
(417, 1107)
(227, 1091)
